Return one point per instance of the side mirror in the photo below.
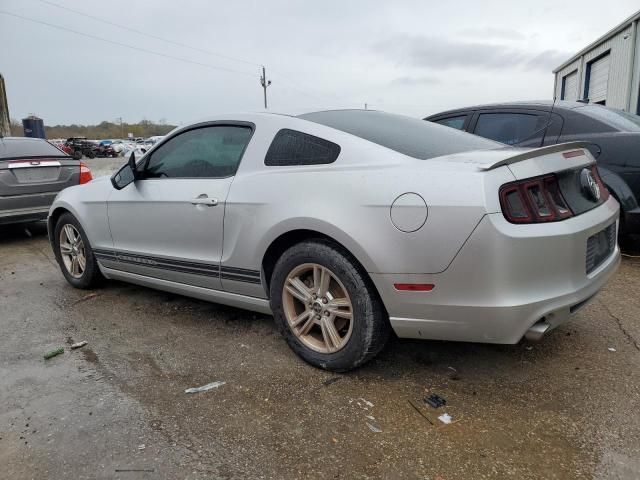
(126, 175)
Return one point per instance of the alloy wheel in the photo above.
(317, 308)
(72, 251)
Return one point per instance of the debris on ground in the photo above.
(85, 298)
(331, 380)
(611, 349)
(417, 409)
(204, 388)
(528, 347)
(79, 345)
(435, 400)
(453, 374)
(445, 418)
(142, 446)
(53, 353)
(370, 417)
(374, 427)
(366, 402)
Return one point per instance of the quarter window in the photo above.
(453, 122)
(509, 128)
(205, 152)
(290, 147)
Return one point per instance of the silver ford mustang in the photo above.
(349, 224)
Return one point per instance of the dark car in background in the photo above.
(613, 136)
(32, 172)
(80, 147)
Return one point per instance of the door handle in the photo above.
(204, 200)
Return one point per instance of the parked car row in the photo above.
(79, 147)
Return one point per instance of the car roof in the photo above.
(534, 104)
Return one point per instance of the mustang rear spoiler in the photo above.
(538, 152)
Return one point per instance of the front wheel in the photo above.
(73, 253)
(326, 307)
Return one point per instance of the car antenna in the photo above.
(549, 121)
(544, 128)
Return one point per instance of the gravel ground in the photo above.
(563, 408)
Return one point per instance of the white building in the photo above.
(607, 71)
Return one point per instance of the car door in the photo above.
(168, 224)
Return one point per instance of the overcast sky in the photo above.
(412, 57)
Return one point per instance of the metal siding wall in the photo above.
(619, 68)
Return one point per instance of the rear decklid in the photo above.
(33, 166)
(547, 179)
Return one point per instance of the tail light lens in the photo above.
(604, 193)
(534, 201)
(85, 174)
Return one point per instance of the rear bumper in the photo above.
(505, 279)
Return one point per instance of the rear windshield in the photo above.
(410, 136)
(622, 121)
(28, 147)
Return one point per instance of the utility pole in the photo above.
(121, 128)
(265, 84)
(5, 127)
(365, 106)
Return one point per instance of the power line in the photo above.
(156, 37)
(125, 45)
(294, 85)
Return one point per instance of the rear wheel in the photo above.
(77, 155)
(326, 308)
(74, 254)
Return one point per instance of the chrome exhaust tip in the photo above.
(537, 330)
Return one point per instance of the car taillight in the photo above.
(534, 201)
(604, 192)
(85, 174)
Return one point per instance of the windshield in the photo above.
(409, 136)
(618, 119)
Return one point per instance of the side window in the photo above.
(453, 122)
(509, 128)
(290, 147)
(205, 152)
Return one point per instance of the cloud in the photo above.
(407, 81)
(493, 33)
(432, 52)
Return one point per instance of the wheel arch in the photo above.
(619, 189)
(292, 237)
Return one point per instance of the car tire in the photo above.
(77, 155)
(83, 278)
(359, 338)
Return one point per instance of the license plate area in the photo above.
(599, 247)
(36, 174)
